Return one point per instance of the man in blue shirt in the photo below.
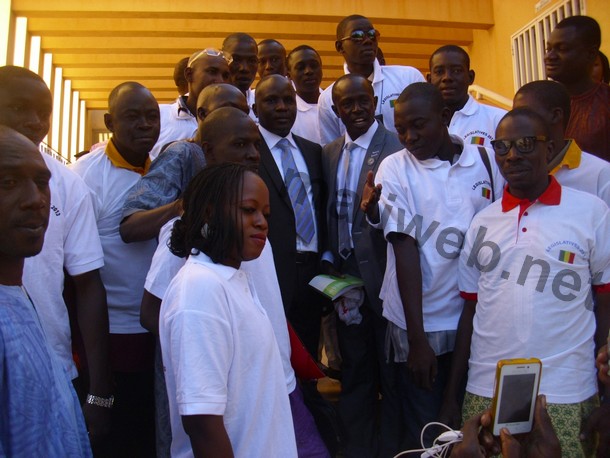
(40, 410)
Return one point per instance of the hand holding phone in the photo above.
(516, 388)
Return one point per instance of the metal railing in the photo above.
(480, 93)
(46, 149)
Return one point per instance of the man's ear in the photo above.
(339, 46)
(188, 74)
(428, 77)
(470, 77)
(254, 110)
(375, 100)
(208, 152)
(557, 116)
(108, 122)
(200, 113)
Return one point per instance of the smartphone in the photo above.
(515, 393)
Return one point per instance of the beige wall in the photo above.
(490, 52)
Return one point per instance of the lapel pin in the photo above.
(373, 157)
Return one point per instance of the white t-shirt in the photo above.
(250, 100)
(534, 294)
(165, 265)
(388, 82)
(592, 175)
(221, 358)
(71, 242)
(476, 123)
(126, 264)
(177, 123)
(434, 202)
(307, 124)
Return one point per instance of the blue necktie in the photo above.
(345, 205)
(303, 212)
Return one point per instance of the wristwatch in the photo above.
(99, 401)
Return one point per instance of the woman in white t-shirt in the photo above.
(225, 382)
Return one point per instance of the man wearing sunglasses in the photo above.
(569, 164)
(357, 41)
(179, 119)
(533, 265)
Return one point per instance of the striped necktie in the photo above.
(345, 205)
(303, 212)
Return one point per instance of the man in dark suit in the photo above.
(291, 168)
(356, 248)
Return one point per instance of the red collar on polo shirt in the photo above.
(550, 196)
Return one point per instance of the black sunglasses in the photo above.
(524, 145)
(358, 36)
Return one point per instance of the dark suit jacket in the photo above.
(282, 225)
(369, 243)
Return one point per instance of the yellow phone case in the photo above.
(500, 365)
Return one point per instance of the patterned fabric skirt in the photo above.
(567, 419)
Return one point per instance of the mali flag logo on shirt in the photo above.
(566, 256)
(477, 141)
(486, 192)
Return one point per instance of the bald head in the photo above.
(122, 89)
(205, 67)
(346, 82)
(217, 96)
(276, 104)
(133, 119)
(549, 99)
(354, 103)
(423, 91)
(11, 140)
(229, 135)
(24, 205)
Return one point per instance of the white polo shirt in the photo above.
(220, 357)
(476, 123)
(388, 82)
(177, 123)
(165, 265)
(585, 172)
(434, 202)
(307, 124)
(125, 264)
(71, 242)
(531, 267)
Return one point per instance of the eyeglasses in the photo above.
(524, 145)
(358, 36)
(206, 52)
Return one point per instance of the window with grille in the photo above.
(529, 43)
